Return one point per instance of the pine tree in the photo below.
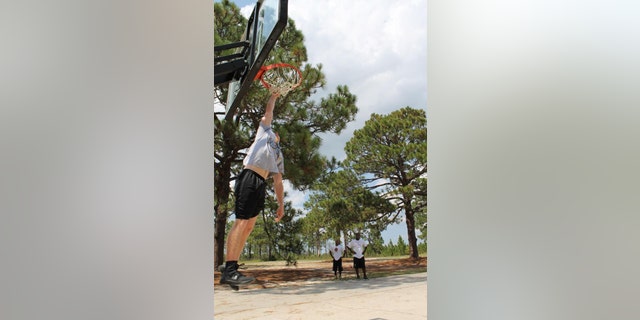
(390, 154)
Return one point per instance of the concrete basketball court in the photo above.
(402, 297)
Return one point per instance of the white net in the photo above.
(282, 79)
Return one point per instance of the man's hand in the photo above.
(274, 92)
(279, 213)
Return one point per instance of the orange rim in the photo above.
(263, 69)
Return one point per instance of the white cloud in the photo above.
(377, 48)
(246, 10)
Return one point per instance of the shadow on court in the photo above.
(394, 297)
(325, 286)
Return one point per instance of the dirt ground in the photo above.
(275, 274)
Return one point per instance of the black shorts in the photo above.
(250, 191)
(337, 265)
(358, 262)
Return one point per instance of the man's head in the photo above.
(337, 241)
(357, 235)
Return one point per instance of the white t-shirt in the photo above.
(336, 251)
(358, 247)
(265, 153)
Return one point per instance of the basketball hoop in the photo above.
(279, 77)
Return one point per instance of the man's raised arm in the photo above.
(268, 112)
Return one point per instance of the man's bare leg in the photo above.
(236, 240)
(238, 236)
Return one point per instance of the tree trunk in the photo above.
(411, 232)
(222, 192)
(219, 237)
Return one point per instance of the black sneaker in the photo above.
(366, 278)
(234, 277)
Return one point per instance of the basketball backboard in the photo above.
(266, 23)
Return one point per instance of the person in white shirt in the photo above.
(358, 247)
(337, 252)
(264, 160)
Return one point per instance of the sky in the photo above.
(376, 48)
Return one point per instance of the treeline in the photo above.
(284, 242)
(261, 252)
(400, 248)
